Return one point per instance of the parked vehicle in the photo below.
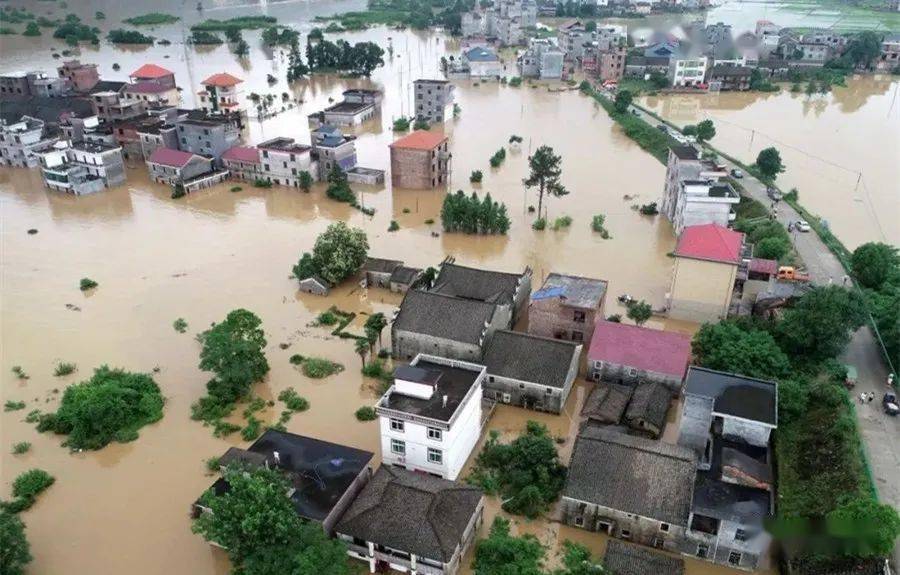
(773, 194)
(802, 226)
(635, 112)
(790, 273)
(662, 128)
(625, 299)
(889, 403)
(737, 174)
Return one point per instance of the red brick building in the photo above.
(420, 160)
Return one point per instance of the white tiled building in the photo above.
(430, 418)
(687, 71)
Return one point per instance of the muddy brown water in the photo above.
(841, 150)
(124, 509)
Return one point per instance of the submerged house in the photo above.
(507, 291)
(377, 271)
(567, 307)
(530, 371)
(324, 477)
(412, 522)
(430, 418)
(626, 559)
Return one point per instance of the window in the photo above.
(702, 550)
(578, 316)
(577, 336)
(579, 521)
(632, 371)
(626, 534)
(435, 434)
(740, 535)
(734, 558)
(664, 527)
(548, 391)
(435, 456)
(397, 425)
(398, 447)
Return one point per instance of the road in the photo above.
(879, 431)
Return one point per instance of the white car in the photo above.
(802, 226)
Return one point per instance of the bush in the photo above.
(235, 189)
(327, 317)
(597, 224)
(261, 183)
(112, 405)
(119, 36)
(27, 486)
(649, 209)
(401, 124)
(366, 413)
(317, 368)
(178, 191)
(87, 284)
(476, 176)
(292, 400)
(63, 369)
(21, 447)
(252, 430)
(539, 224)
(180, 325)
(562, 222)
(224, 428)
(498, 158)
(772, 248)
(151, 19)
(394, 226)
(515, 81)
(420, 124)
(212, 464)
(201, 38)
(13, 405)
(19, 372)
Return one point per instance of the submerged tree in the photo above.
(296, 67)
(546, 170)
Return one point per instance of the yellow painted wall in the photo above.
(701, 290)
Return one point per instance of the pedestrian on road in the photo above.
(830, 280)
(844, 280)
(862, 398)
(871, 396)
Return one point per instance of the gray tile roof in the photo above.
(576, 291)
(607, 402)
(404, 275)
(476, 284)
(412, 512)
(444, 316)
(381, 266)
(632, 474)
(526, 357)
(649, 402)
(735, 395)
(626, 559)
(685, 152)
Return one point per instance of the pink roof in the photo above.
(761, 266)
(659, 351)
(170, 157)
(150, 71)
(710, 242)
(222, 79)
(242, 154)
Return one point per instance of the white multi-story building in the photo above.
(82, 167)
(282, 160)
(20, 141)
(694, 192)
(430, 418)
(433, 100)
(220, 94)
(687, 71)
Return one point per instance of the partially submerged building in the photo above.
(507, 291)
(357, 107)
(220, 94)
(420, 160)
(412, 522)
(530, 371)
(377, 271)
(542, 60)
(430, 418)
(567, 307)
(433, 100)
(282, 161)
(82, 167)
(22, 140)
(324, 477)
(626, 559)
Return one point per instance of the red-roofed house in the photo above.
(220, 93)
(420, 160)
(707, 262)
(242, 162)
(152, 84)
(622, 353)
(172, 167)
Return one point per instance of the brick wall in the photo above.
(413, 168)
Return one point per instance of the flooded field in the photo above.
(841, 150)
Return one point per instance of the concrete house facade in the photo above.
(687, 71)
(357, 107)
(629, 354)
(377, 271)
(82, 77)
(543, 60)
(430, 418)
(530, 371)
(709, 259)
(411, 522)
(482, 62)
(704, 202)
(420, 160)
(20, 141)
(157, 135)
(151, 84)
(220, 94)
(629, 487)
(330, 147)
(208, 135)
(567, 307)
(684, 165)
(242, 162)
(174, 166)
(433, 100)
(282, 160)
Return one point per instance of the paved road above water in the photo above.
(880, 432)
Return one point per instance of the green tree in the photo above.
(774, 248)
(338, 186)
(732, 347)
(15, 553)
(376, 322)
(526, 472)
(338, 252)
(305, 268)
(502, 554)
(820, 323)
(639, 312)
(623, 101)
(306, 181)
(769, 163)
(111, 406)
(233, 352)
(546, 169)
(863, 49)
(577, 561)
(362, 348)
(864, 527)
(32, 29)
(706, 131)
(874, 263)
(296, 68)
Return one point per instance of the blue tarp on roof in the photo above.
(549, 292)
(479, 54)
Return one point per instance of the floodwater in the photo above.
(841, 150)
